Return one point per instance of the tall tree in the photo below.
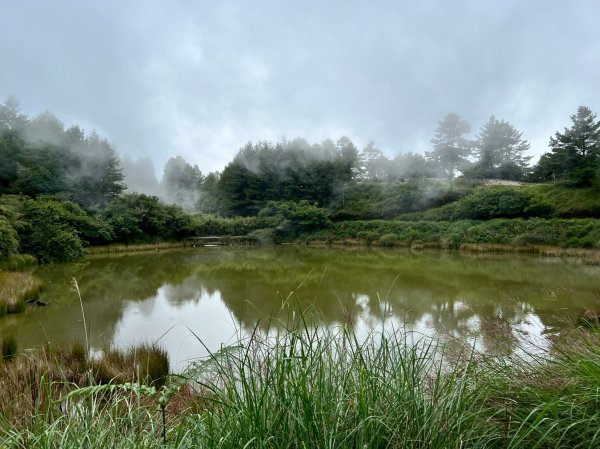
(293, 170)
(181, 182)
(500, 149)
(345, 160)
(100, 176)
(451, 148)
(208, 201)
(139, 175)
(372, 164)
(47, 129)
(575, 153)
(11, 118)
(409, 166)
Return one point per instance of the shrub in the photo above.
(295, 218)
(389, 240)
(52, 229)
(368, 236)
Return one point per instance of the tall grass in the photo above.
(301, 386)
(18, 262)
(15, 289)
(315, 388)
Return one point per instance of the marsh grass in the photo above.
(145, 363)
(36, 382)
(137, 247)
(292, 385)
(18, 262)
(8, 347)
(15, 289)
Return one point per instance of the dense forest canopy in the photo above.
(63, 188)
(38, 156)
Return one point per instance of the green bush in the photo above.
(389, 240)
(52, 229)
(51, 233)
(295, 218)
(368, 236)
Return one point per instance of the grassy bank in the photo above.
(307, 387)
(15, 289)
(574, 233)
(136, 247)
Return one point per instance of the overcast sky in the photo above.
(200, 79)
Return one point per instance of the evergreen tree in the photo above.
(372, 164)
(575, 153)
(99, 178)
(208, 201)
(181, 183)
(500, 149)
(409, 166)
(293, 171)
(11, 118)
(450, 148)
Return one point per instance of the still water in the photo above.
(216, 295)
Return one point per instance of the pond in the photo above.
(196, 300)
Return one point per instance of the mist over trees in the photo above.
(500, 151)
(38, 157)
(181, 183)
(322, 173)
(64, 189)
(294, 170)
(139, 175)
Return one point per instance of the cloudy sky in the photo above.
(199, 79)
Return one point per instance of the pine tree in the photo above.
(500, 149)
(450, 148)
(575, 153)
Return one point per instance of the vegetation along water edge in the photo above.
(294, 385)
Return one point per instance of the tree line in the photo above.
(62, 188)
(39, 157)
(322, 173)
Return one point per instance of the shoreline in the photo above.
(588, 256)
(585, 255)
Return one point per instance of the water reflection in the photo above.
(497, 303)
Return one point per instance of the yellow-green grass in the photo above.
(15, 289)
